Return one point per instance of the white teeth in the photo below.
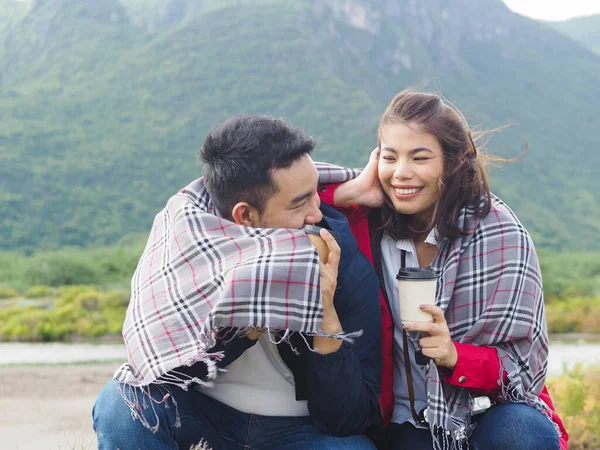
(407, 191)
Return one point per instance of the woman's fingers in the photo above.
(371, 169)
(435, 311)
(374, 156)
(435, 342)
(423, 327)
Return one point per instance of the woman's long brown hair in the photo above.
(464, 179)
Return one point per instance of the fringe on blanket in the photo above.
(512, 392)
(138, 398)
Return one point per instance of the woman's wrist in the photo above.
(346, 194)
(330, 325)
(449, 363)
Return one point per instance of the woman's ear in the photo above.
(244, 214)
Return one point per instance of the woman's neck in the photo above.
(425, 252)
(422, 236)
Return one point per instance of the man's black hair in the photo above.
(239, 155)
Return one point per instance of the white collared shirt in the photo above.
(258, 382)
(391, 262)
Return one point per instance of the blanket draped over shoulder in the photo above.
(200, 273)
(490, 289)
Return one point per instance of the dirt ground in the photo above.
(49, 407)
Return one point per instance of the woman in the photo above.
(424, 200)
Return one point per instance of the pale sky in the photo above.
(543, 9)
(554, 9)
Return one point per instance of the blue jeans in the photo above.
(507, 426)
(202, 417)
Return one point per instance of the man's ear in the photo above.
(245, 214)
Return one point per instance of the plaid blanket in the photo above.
(490, 288)
(200, 273)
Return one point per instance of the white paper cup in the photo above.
(416, 286)
(313, 233)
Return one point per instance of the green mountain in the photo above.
(585, 30)
(104, 104)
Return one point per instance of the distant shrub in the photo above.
(576, 396)
(574, 315)
(569, 274)
(67, 294)
(88, 301)
(62, 269)
(38, 292)
(59, 326)
(91, 299)
(110, 267)
(92, 325)
(79, 310)
(8, 293)
(23, 323)
(114, 319)
(119, 263)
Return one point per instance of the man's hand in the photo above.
(328, 274)
(437, 344)
(364, 190)
(254, 333)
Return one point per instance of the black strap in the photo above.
(376, 237)
(419, 418)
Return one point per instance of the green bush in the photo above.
(574, 315)
(576, 395)
(569, 274)
(114, 300)
(67, 294)
(56, 329)
(63, 268)
(79, 310)
(38, 292)
(25, 324)
(106, 266)
(6, 292)
(90, 299)
(115, 318)
(92, 325)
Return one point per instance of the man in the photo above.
(259, 174)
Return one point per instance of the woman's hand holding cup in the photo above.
(436, 342)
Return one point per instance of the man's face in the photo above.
(296, 202)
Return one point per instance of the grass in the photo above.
(576, 396)
(574, 315)
(75, 312)
(50, 313)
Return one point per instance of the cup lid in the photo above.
(311, 229)
(416, 273)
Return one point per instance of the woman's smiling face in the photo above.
(411, 164)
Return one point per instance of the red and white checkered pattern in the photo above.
(200, 273)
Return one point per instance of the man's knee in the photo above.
(124, 408)
(514, 426)
(108, 407)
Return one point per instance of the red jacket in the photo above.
(477, 367)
